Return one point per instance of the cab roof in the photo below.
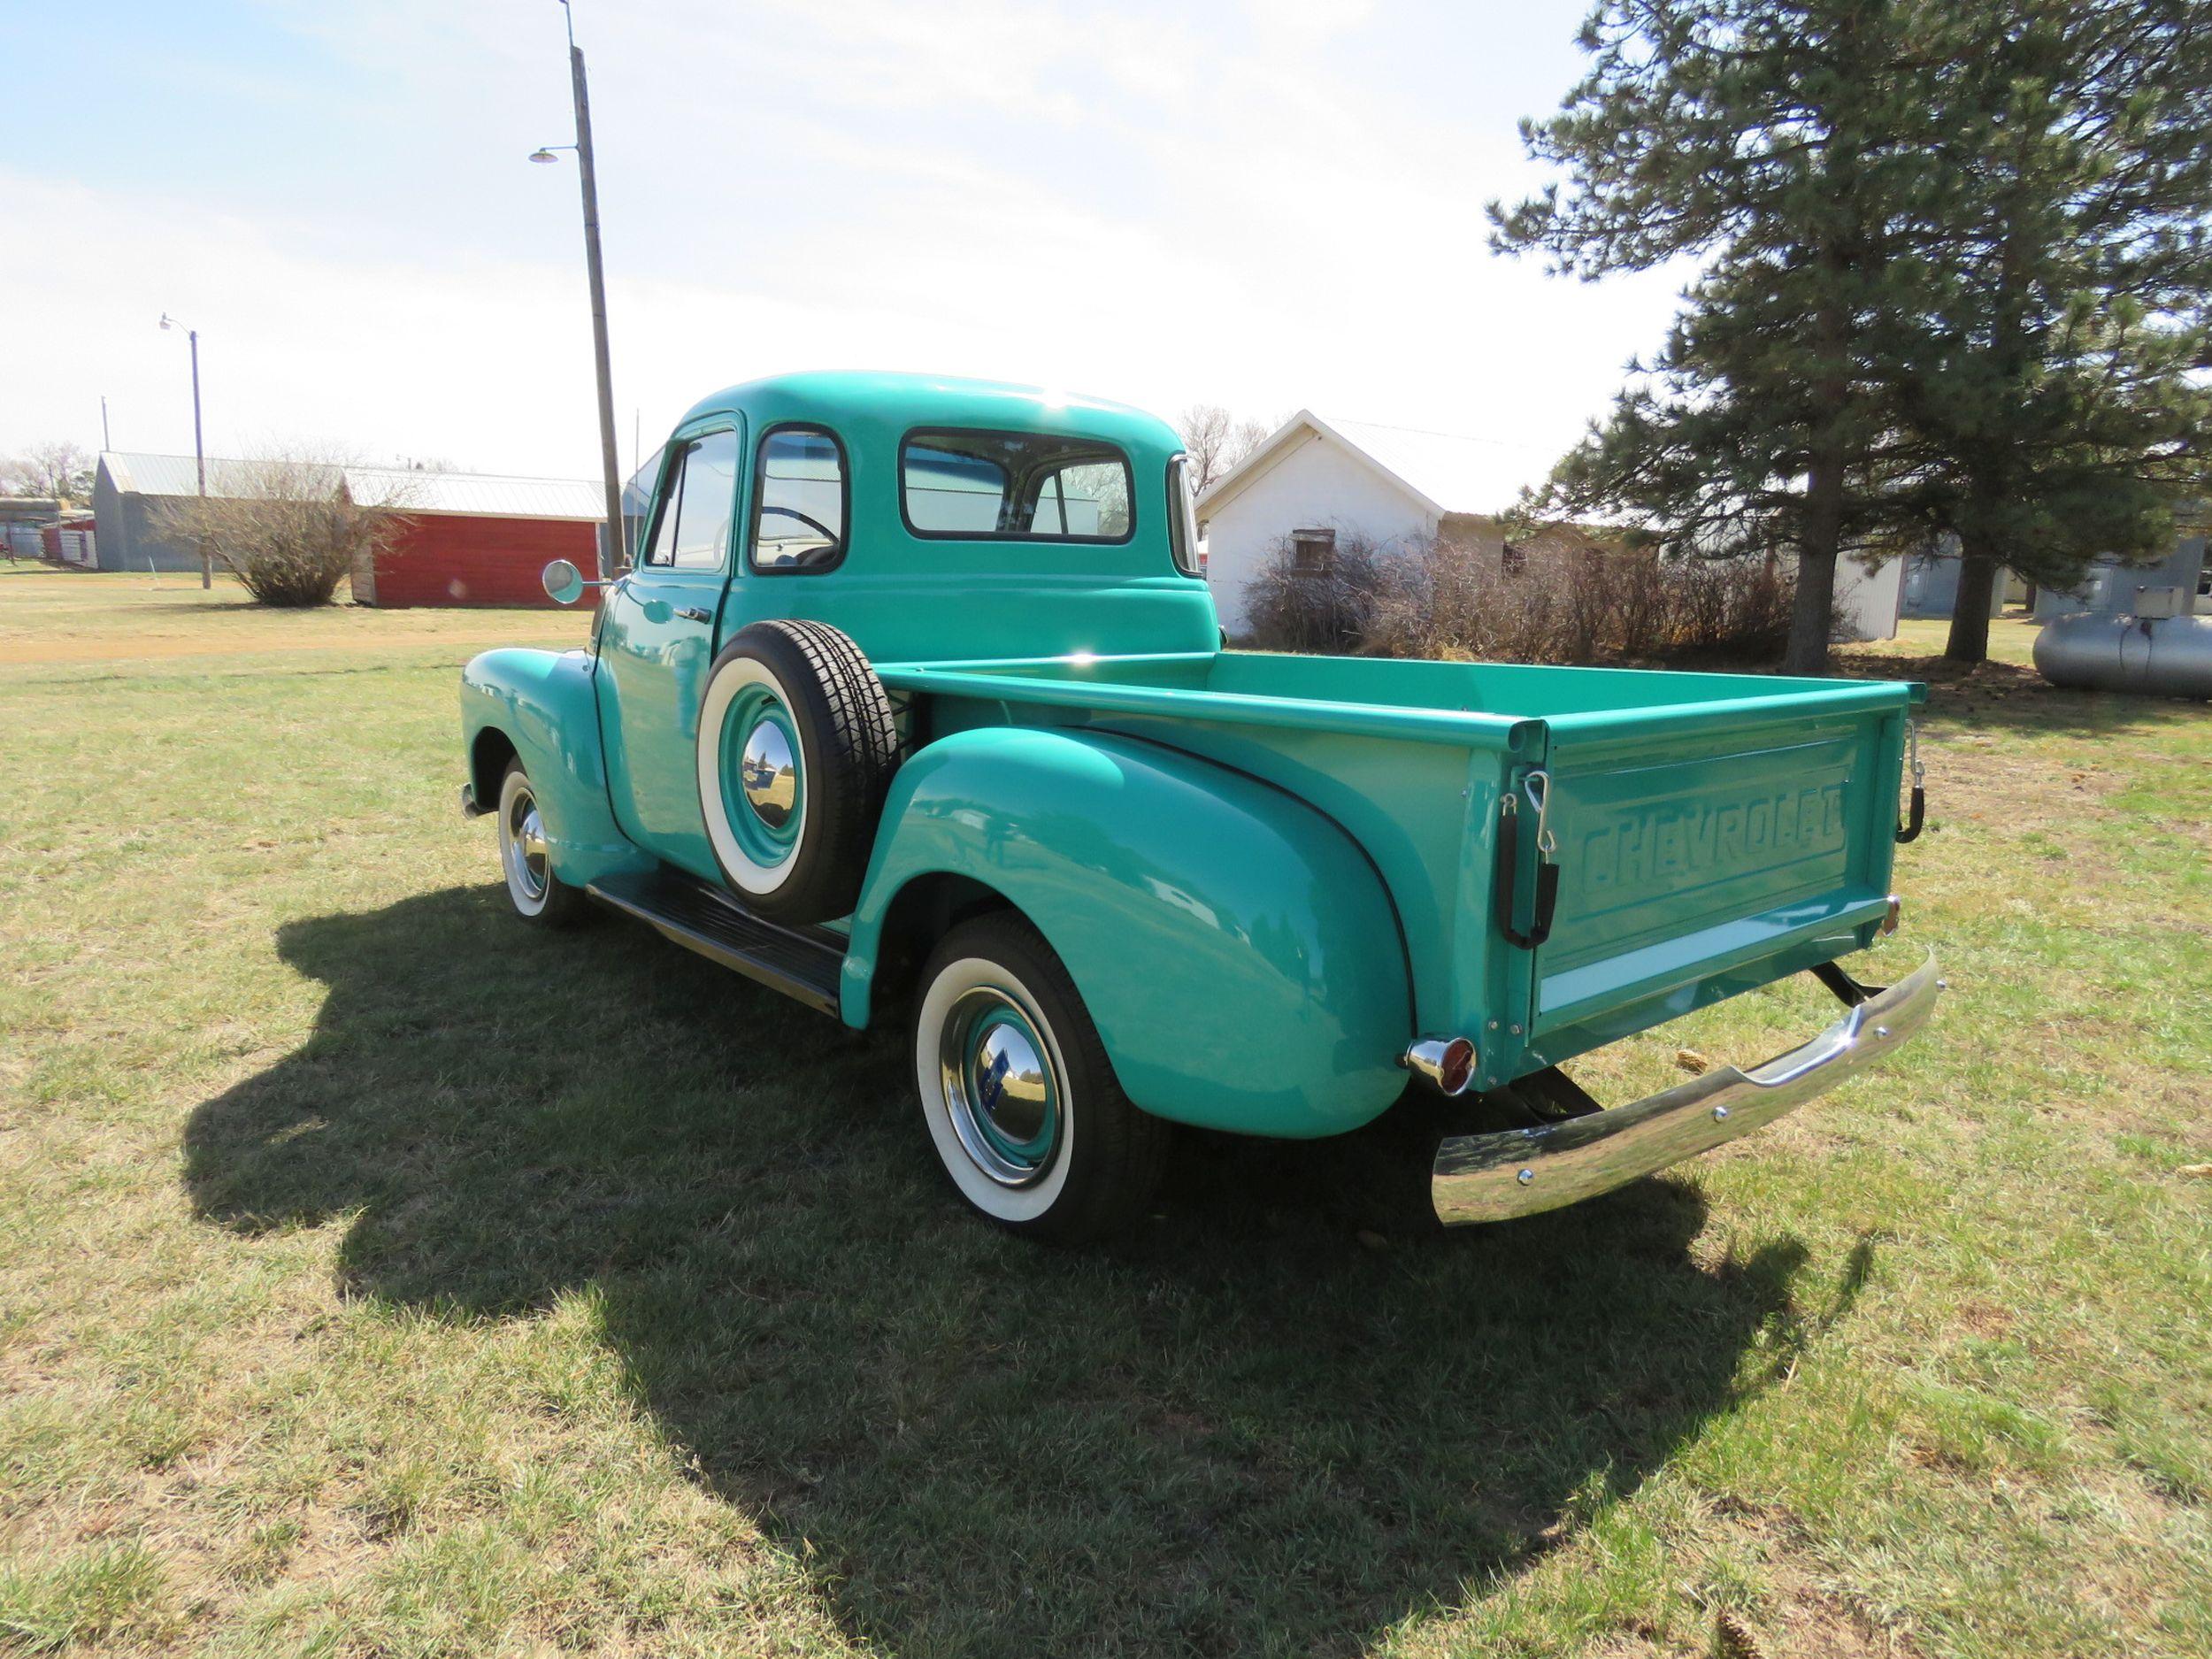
(882, 402)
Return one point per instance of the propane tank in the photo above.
(2159, 656)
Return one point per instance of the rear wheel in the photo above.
(525, 856)
(1020, 1102)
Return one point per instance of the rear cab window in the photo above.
(1014, 487)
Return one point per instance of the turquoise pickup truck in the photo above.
(913, 704)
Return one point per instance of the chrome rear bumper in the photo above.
(1521, 1172)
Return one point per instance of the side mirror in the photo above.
(564, 582)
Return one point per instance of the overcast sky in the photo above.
(1262, 206)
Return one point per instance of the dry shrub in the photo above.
(1560, 606)
(285, 525)
(1330, 611)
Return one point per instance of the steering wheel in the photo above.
(816, 525)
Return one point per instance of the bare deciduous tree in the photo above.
(287, 527)
(1216, 441)
(1248, 435)
(61, 470)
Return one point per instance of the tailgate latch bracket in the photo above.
(1506, 885)
(1916, 812)
(1847, 990)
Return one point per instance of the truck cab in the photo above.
(923, 518)
(913, 702)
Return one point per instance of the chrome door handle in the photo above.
(692, 613)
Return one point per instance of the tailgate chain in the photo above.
(1508, 878)
(1917, 813)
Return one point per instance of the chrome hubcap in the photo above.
(769, 780)
(525, 841)
(1000, 1087)
(1009, 1083)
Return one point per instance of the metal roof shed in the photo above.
(465, 538)
(474, 538)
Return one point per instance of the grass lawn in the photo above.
(379, 1278)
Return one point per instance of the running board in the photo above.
(804, 964)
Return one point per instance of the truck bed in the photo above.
(1711, 832)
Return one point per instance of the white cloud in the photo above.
(1311, 18)
(385, 358)
(1165, 209)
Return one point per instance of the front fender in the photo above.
(542, 706)
(1237, 949)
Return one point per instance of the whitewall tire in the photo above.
(757, 818)
(795, 750)
(526, 856)
(1019, 1100)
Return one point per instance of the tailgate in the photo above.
(1703, 851)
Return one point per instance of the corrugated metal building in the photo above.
(475, 538)
(637, 498)
(2110, 588)
(465, 539)
(27, 524)
(131, 496)
(1931, 587)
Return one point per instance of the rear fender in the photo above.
(1237, 949)
(539, 706)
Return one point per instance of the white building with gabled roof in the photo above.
(1314, 478)
(1322, 478)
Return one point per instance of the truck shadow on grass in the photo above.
(1240, 1429)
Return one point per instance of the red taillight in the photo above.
(1458, 1069)
(1447, 1062)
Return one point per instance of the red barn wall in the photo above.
(453, 559)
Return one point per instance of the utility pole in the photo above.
(610, 550)
(106, 442)
(199, 457)
(199, 448)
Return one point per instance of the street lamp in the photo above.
(199, 449)
(611, 558)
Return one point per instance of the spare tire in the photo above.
(796, 747)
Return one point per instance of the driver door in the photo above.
(657, 643)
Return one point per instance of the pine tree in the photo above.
(1782, 143)
(2054, 395)
(1955, 273)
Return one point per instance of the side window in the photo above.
(709, 493)
(799, 522)
(1182, 518)
(694, 527)
(662, 553)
